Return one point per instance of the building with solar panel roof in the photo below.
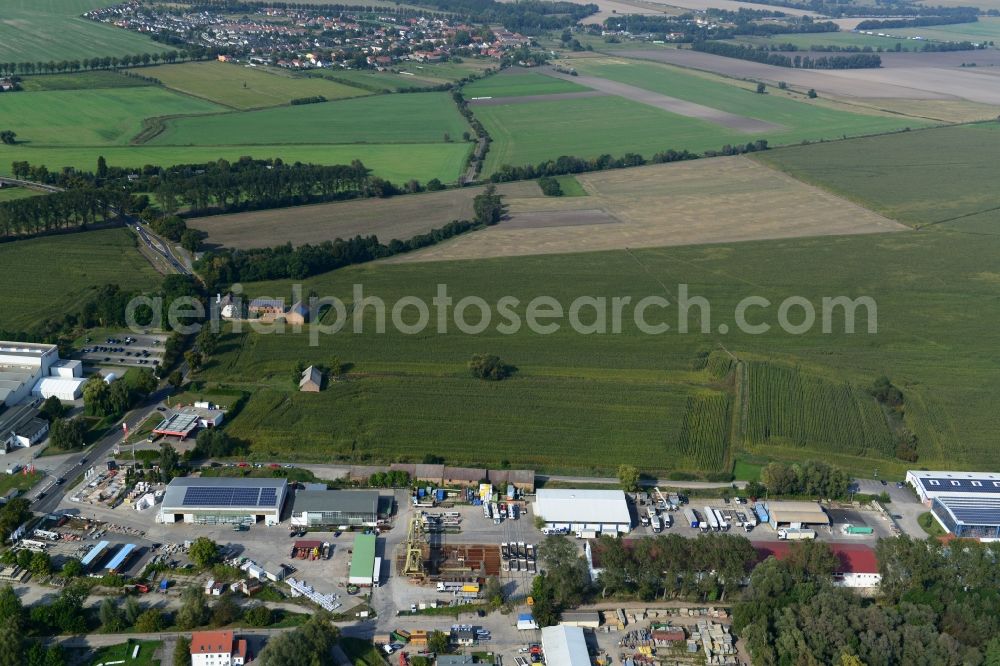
(967, 504)
(221, 500)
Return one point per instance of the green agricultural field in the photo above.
(43, 30)
(368, 79)
(395, 162)
(444, 72)
(536, 131)
(518, 84)
(930, 177)
(81, 81)
(805, 119)
(109, 116)
(410, 394)
(48, 277)
(806, 41)
(413, 118)
(11, 193)
(242, 87)
(570, 186)
(987, 28)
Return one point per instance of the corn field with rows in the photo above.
(783, 402)
(704, 437)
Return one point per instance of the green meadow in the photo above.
(395, 162)
(536, 131)
(519, 84)
(921, 178)
(43, 30)
(385, 119)
(48, 277)
(11, 193)
(241, 87)
(843, 38)
(88, 80)
(111, 116)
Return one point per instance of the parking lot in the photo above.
(125, 349)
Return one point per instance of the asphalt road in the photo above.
(77, 464)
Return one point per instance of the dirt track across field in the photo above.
(905, 76)
(717, 200)
(672, 104)
(524, 99)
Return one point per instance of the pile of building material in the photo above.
(716, 641)
(330, 602)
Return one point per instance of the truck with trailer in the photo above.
(655, 523)
(761, 511)
(691, 516)
(796, 534)
(713, 522)
(721, 519)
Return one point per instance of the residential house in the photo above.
(218, 648)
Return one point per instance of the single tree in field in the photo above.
(761, 88)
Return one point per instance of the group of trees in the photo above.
(13, 514)
(936, 605)
(16, 625)
(705, 568)
(62, 210)
(8, 137)
(103, 399)
(811, 478)
(390, 479)
(216, 443)
(490, 367)
(106, 62)
(309, 644)
(488, 206)
(947, 16)
(566, 164)
(247, 184)
(766, 56)
(219, 268)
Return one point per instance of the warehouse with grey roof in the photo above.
(223, 500)
(319, 507)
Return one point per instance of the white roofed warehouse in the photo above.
(565, 646)
(222, 500)
(603, 511)
(967, 504)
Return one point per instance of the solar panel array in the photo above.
(944, 485)
(973, 511)
(196, 496)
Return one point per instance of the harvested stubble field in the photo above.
(241, 87)
(925, 76)
(400, 217)
(47, 277)
(685, 203)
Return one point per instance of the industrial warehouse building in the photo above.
(365, 567)
(220, 500)
(929, 485)
(604, 511)
(319, 507)
(28, 369)
(967, 504)
(791, 514)
(21, 426)
(565, 646)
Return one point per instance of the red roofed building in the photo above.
(218, 648)
(858, 564)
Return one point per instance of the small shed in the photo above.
(312, 380)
